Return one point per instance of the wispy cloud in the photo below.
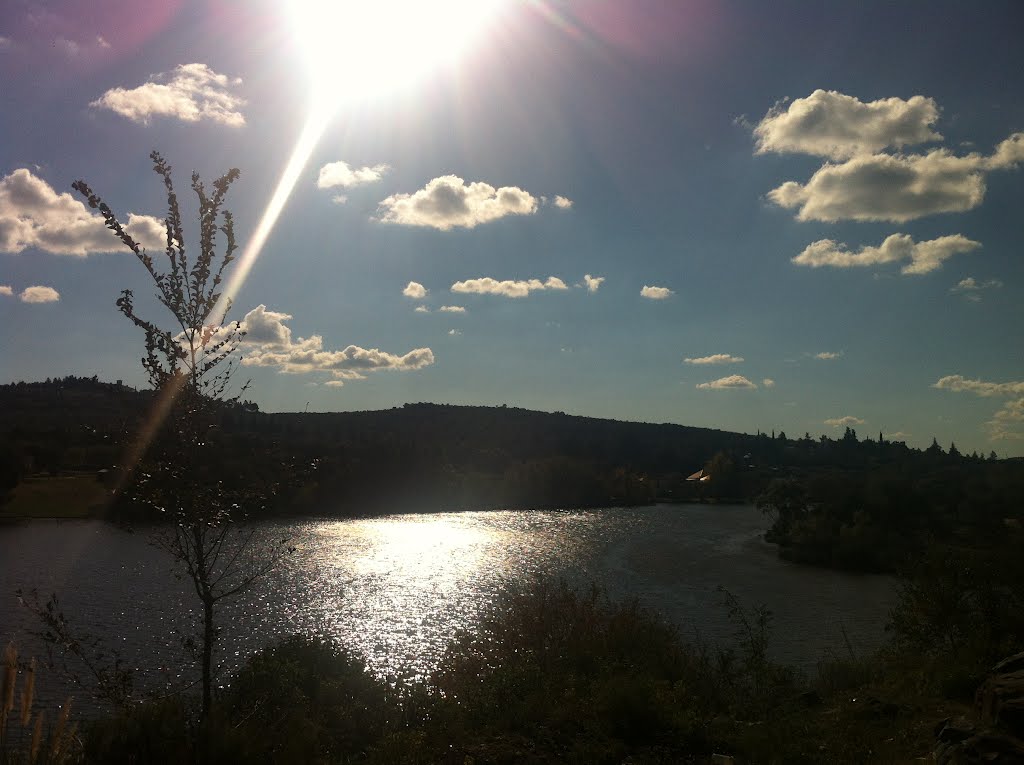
(971, 289)
(656, 293)
(715, 358)
(592, 283)
(1006, 422)
(960, 384)
(190, 93)
(828, 355)
(422, 309)
(451, 309)
(507, 288)
(732, 382)
(449, 202)
(924, 257)
(768, 382)
(33, 215)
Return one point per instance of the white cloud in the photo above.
(715, 358)
(971, 288)
(451, 309)
(899, 435)
(415, 290)
(960, 384)
(340, 174)
(508, 288)
(39, 294)
(447, 202)
(592, 283)
(334, 383)
(454, 332)
(732, 382)
(192, 92)
(1005, 423)
(268, 343)
(339, 199)
(830, 124)
(768, 382)
(5, 42)
(562, 203)
(34, 215)
(656, 293)
(840, 422)
(828, 355)
(422, 309)
(924, 256)
(897, 187)
(5, 290)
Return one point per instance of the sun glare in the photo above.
(356, 50)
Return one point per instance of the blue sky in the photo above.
(793, 216)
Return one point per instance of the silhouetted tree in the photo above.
(180, 475)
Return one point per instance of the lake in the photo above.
(397, 588)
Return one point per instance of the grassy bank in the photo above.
(65, 496)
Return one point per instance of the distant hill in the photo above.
(427, 456)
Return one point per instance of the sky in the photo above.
(796, 216)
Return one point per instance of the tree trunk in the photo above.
(208, 638)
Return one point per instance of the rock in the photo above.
(1000, 699)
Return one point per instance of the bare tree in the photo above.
(175, 470)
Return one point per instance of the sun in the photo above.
(358, 50)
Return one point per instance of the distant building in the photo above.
(700, 475)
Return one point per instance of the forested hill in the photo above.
(426, 456)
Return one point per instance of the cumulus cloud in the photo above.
(34, 215)
(971, 288)
(452, 309)
(768, 382)
(715, 358)
(562, 203)
(39, 294)
(191, 93)
(732, 382)
(5, 290)
(924, 257)
(1005, 423)
(830, 124)
(415, 290)
(339, 174)
(592, 283)
(508, 288)
(268, 343)
(656, 293)
(454, 332)
(895, 187)
(842, 422)
(828, 355)
(448, 202)
(422, 309)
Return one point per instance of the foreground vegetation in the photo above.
(557, 675)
